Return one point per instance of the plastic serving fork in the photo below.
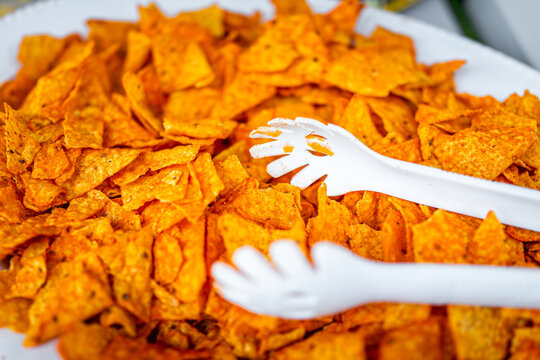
(292, 287)
(350, 166)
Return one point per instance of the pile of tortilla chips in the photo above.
(125, 173)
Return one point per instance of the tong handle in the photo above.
(441, 284)
(513, 205)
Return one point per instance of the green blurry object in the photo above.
(391, 5)
(463, 19)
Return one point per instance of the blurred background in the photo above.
(510, 26)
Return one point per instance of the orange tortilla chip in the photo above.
(490, 245)
(154, 161)
(418, 341)
(478, 332)
(11, 209)
(331, 221)
(268, 206)
(199, 129)
(21, 146)
(357, 119)
(121, 129)
(172, 184)
(138, 51)
(395, 114)
(237, 231)
(41, 195)
(131, 284)
(115, 316)
(31, 271)
(210, 18)
(191, 103)
(188, 284)
(180, 63)
(139, 103)
(441, 238)
(168, 258)
(84, 129)
(108, 33)
(38, 53)
(121, 346)
(365, 241)
(50, 315)
(484, 154)
(72, 155)
(51, 90)
(94, 166)
(13, 313)
(84, 341)
(325, 345)
(240, 95)
(231, 172)
(367, 72)
(50, 162)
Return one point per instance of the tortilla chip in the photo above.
(442, 238)
(331, 221)
(50, 162)
(325, 345)
(393, 237)
(51, 90)
(21, 146)
(94, 166)
(121, 346)
(406, 151)
(191, 278)
(108, 33)
(41, 195)
(139, 103)
(231, 172)
(137, 52)
(210, 18)
(357, 119)
(367, 73)
(166, 306)
(115, 316)
(131, 284)
(191, 103)
(240, 95)
(84, 129)
(180, 63)
(483, 154)
(11, 207)
(38, 53)
(168, 258)
(395, 114)
(172, 184)
(365, 241)
(13, 313)
(237, 231)
(418, 341)
(199, 129)
(268, 207)
(84, 283)
(31, 271)
(490, 245)
(155, 160)
(84, 342)
(478, 333)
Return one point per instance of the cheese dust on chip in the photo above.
(125, 173)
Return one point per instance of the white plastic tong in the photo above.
(337, 279)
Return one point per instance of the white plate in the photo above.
(486, 71)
